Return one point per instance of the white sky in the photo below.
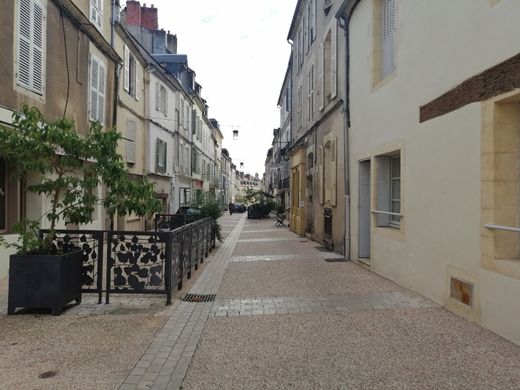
(239, 51)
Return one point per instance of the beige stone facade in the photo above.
(434, 156)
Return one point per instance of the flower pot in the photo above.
(44, 281)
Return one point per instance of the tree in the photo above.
(70, 168)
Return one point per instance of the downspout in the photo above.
(117, 70)
(344, 21)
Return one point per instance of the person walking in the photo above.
(230, 206)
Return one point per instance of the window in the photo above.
(161, 98)
(328, 170)
(177, 120)
(130, 77)
(310, 95)
(300, 107)
(311, 11)
(160, 156)
(96, 13)
(300, 48)
(30, 64)
(389, 190)
(130, 141)
(97, 90)
(326, 66)
(387, 37)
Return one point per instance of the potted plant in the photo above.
(54, 161)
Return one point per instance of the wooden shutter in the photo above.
(333, 171)
(388, 28)
(321, 177)
(101, 94)
(126, 76)
(383, 190)
(333, 62)
(157, 151)
(130, 141)
(165, 157)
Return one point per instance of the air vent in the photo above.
(199, 298)
(462, 291)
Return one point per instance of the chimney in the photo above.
(171, 43)
(132, 13)
(149, 17)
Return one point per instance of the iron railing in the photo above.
(138, 262)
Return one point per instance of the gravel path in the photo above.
(85, 352)
(300, 278)
(254, 344)
(392, 349)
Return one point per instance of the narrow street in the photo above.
(288, 315)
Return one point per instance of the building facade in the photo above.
(317, 123)
(433, 139)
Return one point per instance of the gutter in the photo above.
(343, 16)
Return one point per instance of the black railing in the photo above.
(138, 262)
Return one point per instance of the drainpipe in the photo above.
(343, 17)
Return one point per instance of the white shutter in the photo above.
(157, 97)
(136, 75)
(333, 62)
(333, 171)
(383, 189)
(101, 94)
(24, 43)
(322, 81)
(97, 91)
(37, 48)
(94, 81)
(30, 72)
(388, 29)
(130, 141)
(165, 110)
(320, 174)
(126, 76)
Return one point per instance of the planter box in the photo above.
(44, 281)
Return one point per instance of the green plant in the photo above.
(211, 208)
(68, 169)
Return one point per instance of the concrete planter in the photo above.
(44, 281)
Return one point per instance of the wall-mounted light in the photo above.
(235, 134)
(241, 165)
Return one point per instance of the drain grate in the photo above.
(335, 260)
(199, 297)
(303, 241)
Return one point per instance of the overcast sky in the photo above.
(239, 51)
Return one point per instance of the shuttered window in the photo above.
(96, 13)
(387, 35)
(160, 156)
(131, 129)
(30, 67)
(334, 62)
(310, 95)
(388, 189)
(330, 170)
(97, 88)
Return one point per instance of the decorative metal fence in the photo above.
(138, 262)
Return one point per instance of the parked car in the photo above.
(239, 208)
(183, 216)
(188, 210)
